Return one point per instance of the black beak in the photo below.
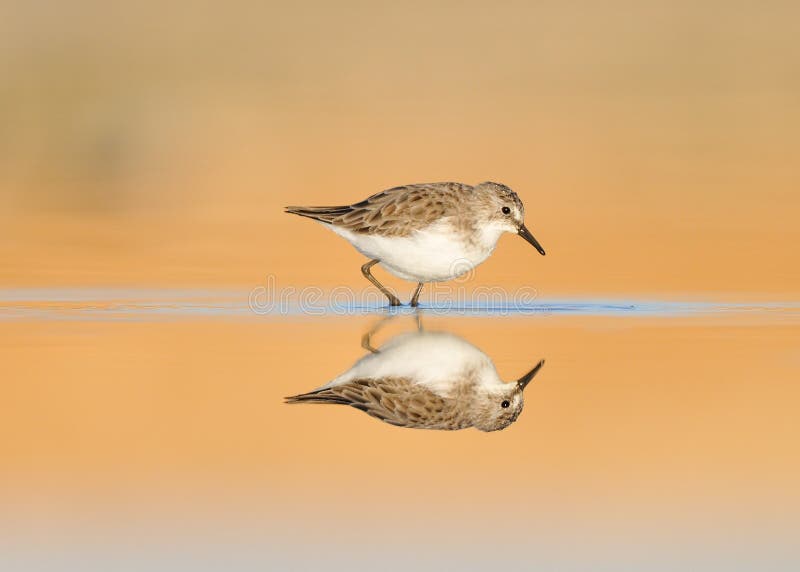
(526, 234)
(526, 379)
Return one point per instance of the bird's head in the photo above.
(503, 211)
(499, 408)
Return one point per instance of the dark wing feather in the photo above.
(394, 212)
(397, 401)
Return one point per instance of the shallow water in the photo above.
(137, 304)
(146, 156)
(147, 430)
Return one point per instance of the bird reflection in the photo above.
(426, 380)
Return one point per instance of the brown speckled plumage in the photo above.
(428, 232)
(401, 402)
(401, 210)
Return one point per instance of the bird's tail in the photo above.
(318, 396)
(322, 214)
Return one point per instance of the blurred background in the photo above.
(152, 145)
(655, 144)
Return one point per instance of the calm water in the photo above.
(147, 430)
(655, 147)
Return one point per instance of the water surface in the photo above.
(148, 430)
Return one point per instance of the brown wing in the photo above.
(394, 212)
(397, 401)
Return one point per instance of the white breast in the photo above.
(434, 254)
(437, 360)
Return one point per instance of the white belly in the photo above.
(434, 254)
(435, 359)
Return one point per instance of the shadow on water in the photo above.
(426, 380)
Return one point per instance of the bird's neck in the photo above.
(487, 235)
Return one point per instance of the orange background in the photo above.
(655, 145)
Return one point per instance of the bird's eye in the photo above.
(506, 210)
(505, 404)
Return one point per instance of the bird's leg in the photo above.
(418, 319)
(393, 300)
(366, 342)
(366, 339)
(415, 297)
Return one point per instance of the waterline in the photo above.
(103, 304)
